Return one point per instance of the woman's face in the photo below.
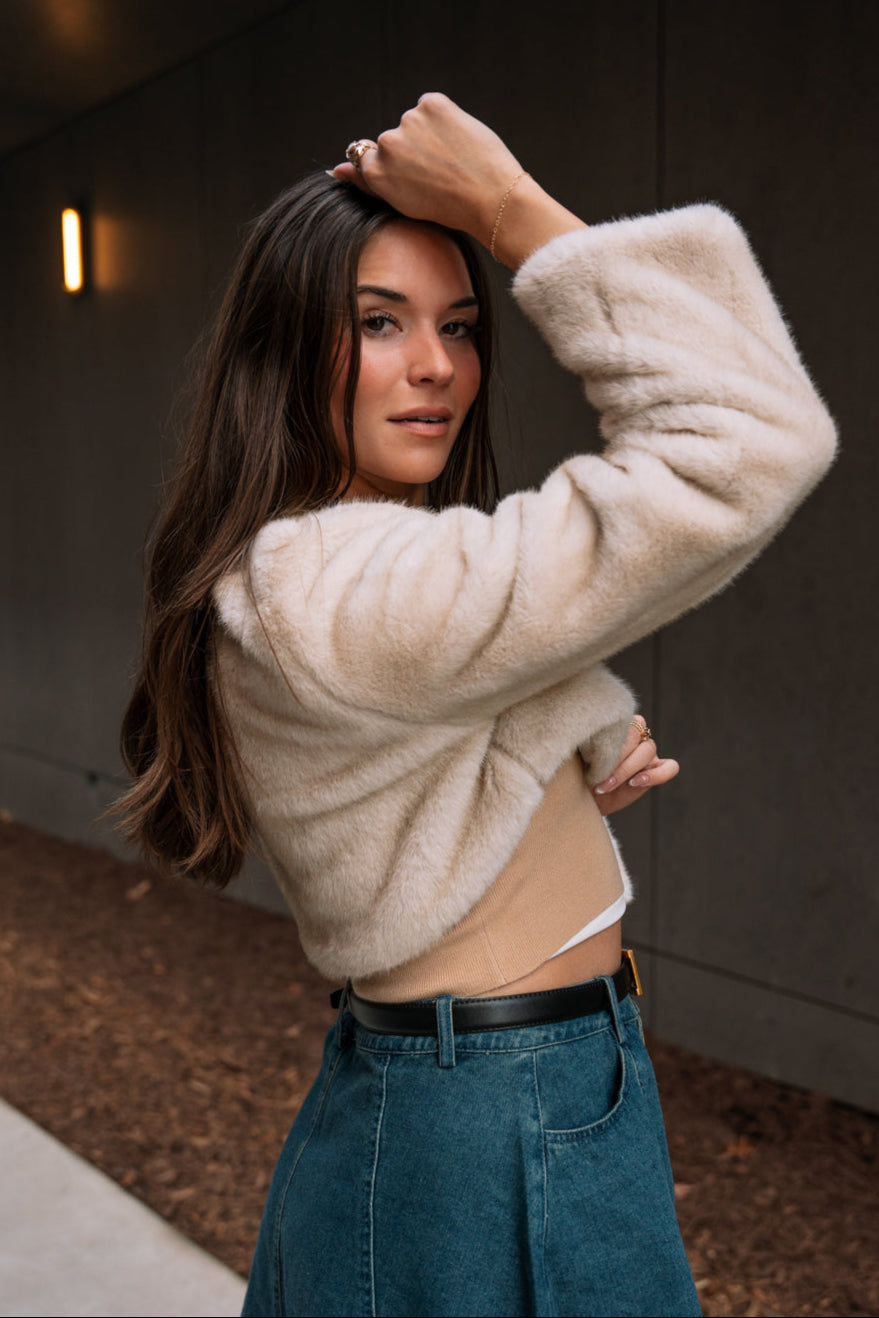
(419, 367)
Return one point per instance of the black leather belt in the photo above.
(507, 1013)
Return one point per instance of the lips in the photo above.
(424, 422)
(433, 414)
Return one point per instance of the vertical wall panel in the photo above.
(280, 101)
(85, 400)
(767, 860)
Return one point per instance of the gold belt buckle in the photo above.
(628, 957)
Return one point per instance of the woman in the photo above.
(398, 686)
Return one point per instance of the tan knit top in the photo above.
(563, 873)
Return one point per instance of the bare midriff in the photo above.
(563, 875)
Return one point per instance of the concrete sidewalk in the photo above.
(72, 1242)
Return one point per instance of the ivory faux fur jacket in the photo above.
(402, 684)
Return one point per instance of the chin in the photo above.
(430, 474)
(419, 473)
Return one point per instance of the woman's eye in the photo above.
(460, 329)
(376, 322)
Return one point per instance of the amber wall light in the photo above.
(71, 232)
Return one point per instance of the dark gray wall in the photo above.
(756, 917)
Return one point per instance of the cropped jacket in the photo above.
(401, 683)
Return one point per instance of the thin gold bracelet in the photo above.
(497, 223)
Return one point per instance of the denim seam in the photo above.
(371, 1217)
(283, 1202)
(635, 1067)
(543, 1233)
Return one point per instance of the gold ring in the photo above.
(646, 734)
(355, 151)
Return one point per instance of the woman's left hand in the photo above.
(639, 769)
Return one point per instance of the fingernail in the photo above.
(606, 786)
(641, 781)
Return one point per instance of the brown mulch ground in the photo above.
(169, 1036)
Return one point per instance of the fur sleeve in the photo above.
(713, 434)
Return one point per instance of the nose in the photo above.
(429, 360)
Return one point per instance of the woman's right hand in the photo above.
(443, 165)
(638, 769)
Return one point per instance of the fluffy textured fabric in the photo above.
(402, 684)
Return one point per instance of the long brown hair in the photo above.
(260, 444)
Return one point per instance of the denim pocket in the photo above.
(611, 1239)
(581, 1086)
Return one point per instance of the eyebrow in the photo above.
(391, 295)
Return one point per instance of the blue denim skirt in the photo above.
(519, 1171)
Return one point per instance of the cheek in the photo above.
(372, 382)
(470, 376)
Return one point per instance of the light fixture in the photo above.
(71, 232)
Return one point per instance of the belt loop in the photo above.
(613, 1007)
(343, 1003)
(445, 1032)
